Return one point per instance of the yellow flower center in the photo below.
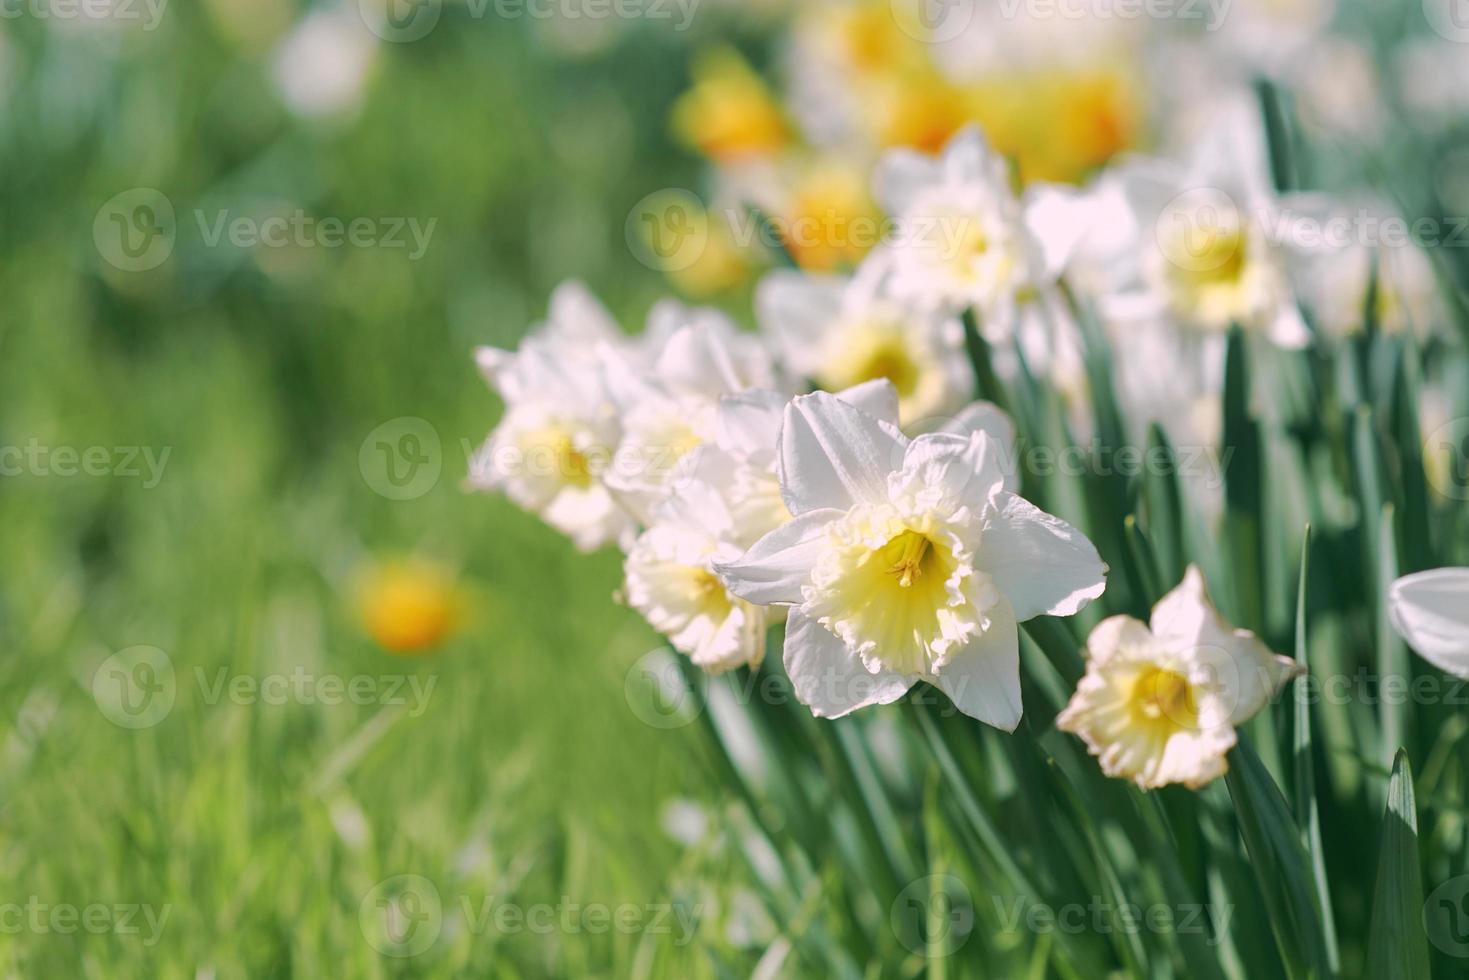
(707, 596)
(912, 556)
(868, 353)
(897, 591)
(1209, 272)
(1163, 701)
(554, 448)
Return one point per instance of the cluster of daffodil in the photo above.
(742, 503)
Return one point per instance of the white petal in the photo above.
(949, 470)
(748, 423)
(1114, 633)
(983, 679)
(795, 310)
(1234, 662)
(575, 316)
(1431, 611)
(776, 566)
(1043, 565)
(828, 679)
(968, 159)
(900, 176)
(877, 398)
(834, 455)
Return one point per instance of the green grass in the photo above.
(527, 778)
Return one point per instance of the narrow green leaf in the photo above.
(986, 381)
(1307, 812)
(1163, 500)
(1242, 487)
(1282, 869)
(1397, 946)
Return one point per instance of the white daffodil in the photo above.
(1159, 704)
(1356, 244)
(552, 446)
(961, 237)
(671, 581)
(840, 332)
(669, 409)
(1431, 611)
(1203, 245)
(906, 560)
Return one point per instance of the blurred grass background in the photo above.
(263, 827)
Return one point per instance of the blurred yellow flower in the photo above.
(721, 265)
(409, 606)
(832, 219)
(920, 109)
(729, 114)
(1059, 126)
(870, 39)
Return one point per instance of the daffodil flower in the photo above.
(552, 447)
(962, 240)
(842, 331)
(671, 581)
(906, 560)
(669, 409)
(1160, 702)
(1431, 611)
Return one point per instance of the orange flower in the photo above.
(729, 114)
(409, 607)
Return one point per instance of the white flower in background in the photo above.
(321, 68)
(559, 430)
(1431, 611)
(1270, 36)
(907, 560)
(961, 238)
(671, 581)
(1334, 278)
(840, 332)
(669, 409)
(1432, 78)
(1160, 704)
(1339, 90)
(1205, 245)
